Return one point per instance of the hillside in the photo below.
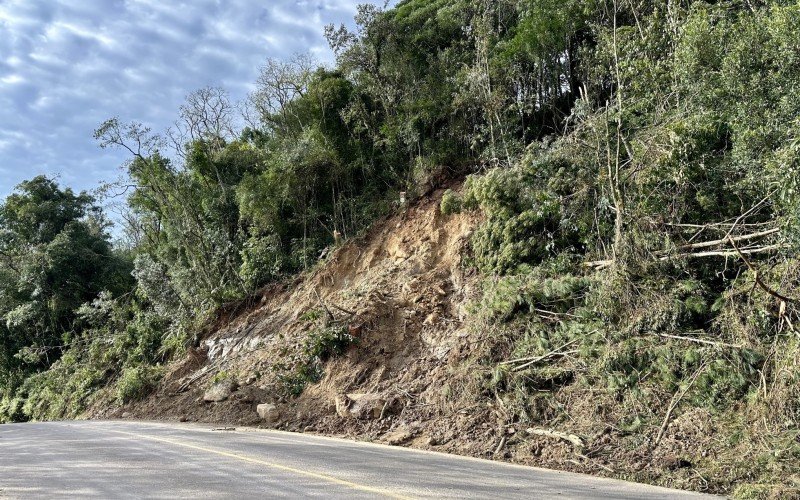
(561, 233)
(389, 309)
(386, 340)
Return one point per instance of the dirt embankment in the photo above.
(401, 290)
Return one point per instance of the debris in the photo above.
(431, 319)
(269, 412)
(220, 391)
(397, 437)
(500, 446)
(679, 394)
(576, 441)
(366, 406)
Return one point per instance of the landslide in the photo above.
(413, 370)
(401, 292)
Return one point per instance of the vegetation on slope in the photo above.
(636, 162)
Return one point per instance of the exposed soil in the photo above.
(403, 290)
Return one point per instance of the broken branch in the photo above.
(576, 441)
(700, 341)
(536, 359)
(758, 279)
(679, 394)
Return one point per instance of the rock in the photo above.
(441, 352)
(431, 319)
(397, 437)
(220, 391)
(269, 412)
(183, 418)
(341, 406)
(126, 415)
(250, 380)
(366, 406)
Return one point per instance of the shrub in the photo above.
(263, 260)
(136, 382)
(451, 202)
(321, 344)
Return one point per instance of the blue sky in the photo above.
(67, 65)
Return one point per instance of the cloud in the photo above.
(66, 66)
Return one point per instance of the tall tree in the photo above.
(55, 255)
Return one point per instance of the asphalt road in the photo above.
(160, 460)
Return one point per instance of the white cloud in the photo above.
(65, 66)
(12, 79)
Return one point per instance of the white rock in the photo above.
(220, 391)
(269, 412)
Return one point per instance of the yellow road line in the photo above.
(246, 458)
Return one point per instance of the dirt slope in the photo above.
(400, 289)
(403, 291)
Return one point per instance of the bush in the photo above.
(263, 260)
(137, 382)
(526, 221)
(321, 345)
(451, 202)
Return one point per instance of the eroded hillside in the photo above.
(418, 370)
(401, 292)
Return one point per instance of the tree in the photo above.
(280, 83)
(56, 255)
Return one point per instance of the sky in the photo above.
(67, 65)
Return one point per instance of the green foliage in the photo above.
(527, 221)
(328, 342)
(220, 376)
(55, 255)
(306, 365)
(508, 296)
(451, 203)
(605, 250)
(263, 260)
(135, 383)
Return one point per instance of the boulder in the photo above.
(366, 406)
(220, 391)
(397, 437)
(269, 412)
(342, 404)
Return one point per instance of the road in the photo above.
(163, 460)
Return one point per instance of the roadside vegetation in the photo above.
(637, 165)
